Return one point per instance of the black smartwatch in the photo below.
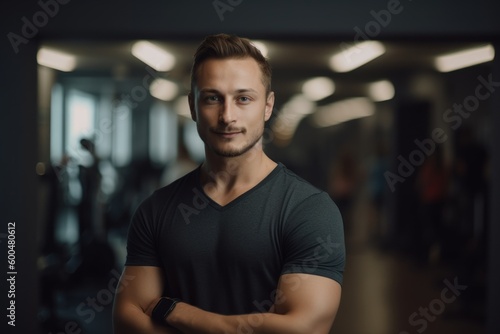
(162, 309)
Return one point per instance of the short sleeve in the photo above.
(141, 246)
(314, 239)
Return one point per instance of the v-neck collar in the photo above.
(238, 199)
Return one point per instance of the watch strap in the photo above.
(162, 309)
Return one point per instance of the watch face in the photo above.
(162, 309)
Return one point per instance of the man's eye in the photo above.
(244, 99)
(212, 98)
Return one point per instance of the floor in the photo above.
(383, 293)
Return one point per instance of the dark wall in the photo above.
(494, 226)
(18, 184)
(161, 18)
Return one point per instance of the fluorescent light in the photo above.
(318, 88)
(56, 60)
(343, 111)
(153, 55)
(163, 89)
(299, 105)
(356, 56)
(381, 90)
(466, 58)
(261, 46)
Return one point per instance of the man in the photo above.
(241, 244)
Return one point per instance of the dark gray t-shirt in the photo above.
(228, 259)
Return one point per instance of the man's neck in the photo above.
(225, 178)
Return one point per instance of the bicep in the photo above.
(312, 300)
(139, 286)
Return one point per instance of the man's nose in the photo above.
(227, 113)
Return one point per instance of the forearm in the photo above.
(129, 319)
(192, 320)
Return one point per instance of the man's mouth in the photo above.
(228, 133)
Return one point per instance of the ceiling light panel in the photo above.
(153, 55)
(318, 88)
(163, 89)
(381, 90)
(55, 59)
(356, 56)
(465, 58)
(343, 111)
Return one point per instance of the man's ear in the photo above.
(269, 106)
(192, 106)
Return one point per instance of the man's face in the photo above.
(229, 105)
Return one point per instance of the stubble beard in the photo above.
(237, 151)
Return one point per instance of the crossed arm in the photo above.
(304, 304)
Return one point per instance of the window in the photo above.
(56, 124)
(80, 123)
(162, 134)
(122, 136)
